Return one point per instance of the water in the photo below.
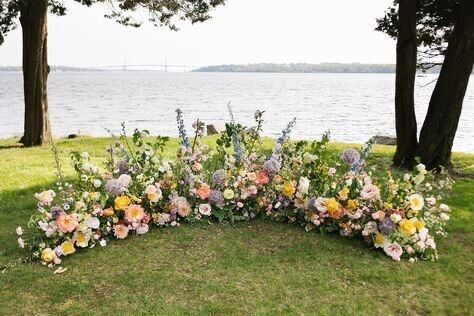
(353, 106)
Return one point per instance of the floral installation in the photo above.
(299, 182)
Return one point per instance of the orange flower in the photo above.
(66, 223)
(203, 191)
(262, 178)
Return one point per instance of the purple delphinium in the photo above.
(350, 156)
(386, 226)
(271, 166)
(216, 197)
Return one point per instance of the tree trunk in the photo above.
(33, 19)
(441, 122)
(405, 119)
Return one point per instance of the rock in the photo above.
(211, 129)
(385, 140)
(76, 135)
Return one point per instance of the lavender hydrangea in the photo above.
(116, 187)
(271, 166)
(350, 156)
(386, 226)
(216, 197)
(219, 176)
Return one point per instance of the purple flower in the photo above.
(350, 156)
(271, 166)
(386, 226)
(219, 177)
(55, 211)
(216, 197)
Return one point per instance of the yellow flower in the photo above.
(68, 247)
(388, 205)
(48, 255)
(419, 224)
(121, 202)
(351, 205)
(288, 189)
(229, 194)
(344, 193)
(407, 227)
(379, 240)
(331, 205)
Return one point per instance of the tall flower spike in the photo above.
(366, 148)
(285, 134)
(238, 152)
(181, 129)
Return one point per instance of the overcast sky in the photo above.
(242, 31)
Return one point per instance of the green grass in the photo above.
(249, 268)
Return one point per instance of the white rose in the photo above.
(103, 242)
(97, 183)
(205, 209)
(303, 185)
(19, 231)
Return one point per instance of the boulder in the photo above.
(385, 140)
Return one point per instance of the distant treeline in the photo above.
(53, 68)
(307, 68)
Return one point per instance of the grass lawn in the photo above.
(249, 268)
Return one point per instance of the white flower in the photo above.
(406, 177)
(21, 243)
(395, 218)
(320, 204)
(431, 200)
(369, 228)
(421, 168)
(85, 155)
(45, 197)
(393, 250)
(142, 229)
(92, 222)
(205, 209)
(416, 202)
(19, 231)
(370, 192)
(103, 242)
(444, 207)
(303, 185)
(430, 243)
(125, 180)
(444, 217)
(331, 171)
(411, 260)
(419, 179)
(423, 234)
(97, 183)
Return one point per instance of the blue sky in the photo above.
(243, 31)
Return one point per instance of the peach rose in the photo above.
(262, 178)
(66, 223)
(203, 191)
(134, 214)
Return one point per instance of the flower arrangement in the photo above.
(298, 182)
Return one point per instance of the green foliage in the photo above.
(435, 23)
(160, 12)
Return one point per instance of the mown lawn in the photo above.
(249, 268)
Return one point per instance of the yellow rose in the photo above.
(407, 227)
(288, 189)
(344, 193)
(419, 224)
(379, 240)
(68, 247)
(48, 255)
(331, 205)
(229, 194)
(121, 202)
(153, 197)
(351, 205)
